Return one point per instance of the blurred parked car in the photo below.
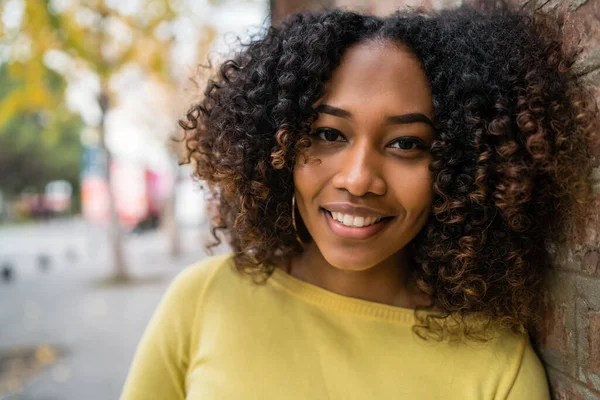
(58, 197)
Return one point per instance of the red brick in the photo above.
(590, 262)
(552, 332)
(565, 394)
(595, 146)
(585, 232)
(575, 4)
(283, 8)
(593, 336)
(563, 390)
(584, 25)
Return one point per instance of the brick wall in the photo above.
(568, 339)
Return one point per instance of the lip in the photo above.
(350, 232)
(355, 209)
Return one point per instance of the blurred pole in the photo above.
(170, 216)
(115, 231)
(104, 101)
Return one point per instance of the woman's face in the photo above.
(370, 193)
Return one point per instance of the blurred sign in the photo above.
(159, 188)
(94, 162)
(131, 193)
(94, 184)
(94, 199)
(139, 192)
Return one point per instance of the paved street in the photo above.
(65, 306)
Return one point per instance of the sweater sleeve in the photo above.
(530, 382)
(162, 357)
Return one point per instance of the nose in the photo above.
(360, 171)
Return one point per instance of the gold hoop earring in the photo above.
(294, 220)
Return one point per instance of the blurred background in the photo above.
(96, 216)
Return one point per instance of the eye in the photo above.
(408, 144)
(328, 134)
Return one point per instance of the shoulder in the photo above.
(186, 296)
(526, 377)
(493, 361)
(204, 270)
(511, 364)
(169, 342)
(193, 281)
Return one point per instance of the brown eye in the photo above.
(328, 134)
(408, 144)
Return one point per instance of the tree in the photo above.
(98, 36)
(38, 146)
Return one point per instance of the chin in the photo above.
(351, 260)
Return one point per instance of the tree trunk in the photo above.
(115, 231)
(172, 226)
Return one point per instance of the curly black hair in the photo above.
(511, 159)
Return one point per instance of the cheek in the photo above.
(416, 190)
(310, 178)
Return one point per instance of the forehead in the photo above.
(382, 75)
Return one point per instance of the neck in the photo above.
(387, 282)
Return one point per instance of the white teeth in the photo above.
(348, 220)
(359, 221)
(355, 221)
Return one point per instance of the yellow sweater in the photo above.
(216, 335)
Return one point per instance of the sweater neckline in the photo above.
(339, 303)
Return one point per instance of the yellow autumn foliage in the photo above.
(80, 30)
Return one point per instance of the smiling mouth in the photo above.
(356, 221)
(355, 226)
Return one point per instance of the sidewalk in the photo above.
(97, 326)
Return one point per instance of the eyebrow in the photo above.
(396, 119)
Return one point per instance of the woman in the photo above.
(389, 185)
